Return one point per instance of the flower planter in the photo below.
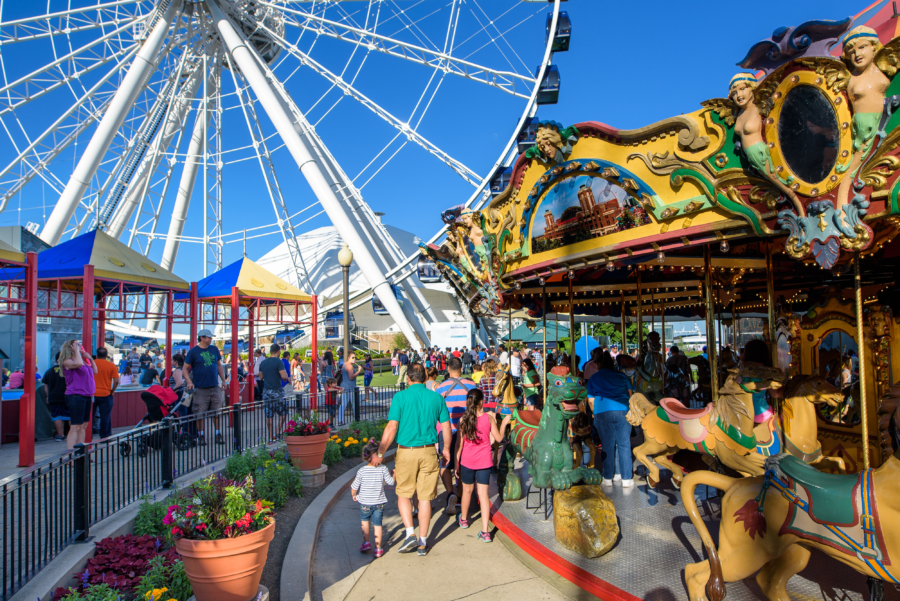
(228, 569)
(307, 452)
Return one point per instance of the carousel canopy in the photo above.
(112, 260)
(251, 280)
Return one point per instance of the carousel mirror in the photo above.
(808, 133)
(838, 360)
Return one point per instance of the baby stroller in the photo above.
(162, 403)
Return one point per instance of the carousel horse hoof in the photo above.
(676, 482)
(651, 482)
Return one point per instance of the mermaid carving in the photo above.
(748, 126)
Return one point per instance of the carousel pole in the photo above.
(662, 338)
(574, 365)
(770, 291)
(860, 344)
(640, 312)
(544, 333)
(710, 326)
(623, 326)
(509, 328)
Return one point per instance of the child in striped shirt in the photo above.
(368, 490)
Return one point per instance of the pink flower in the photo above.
(168, 519)
(176, 531)
(200, 527)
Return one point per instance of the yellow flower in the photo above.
(347, 444)
(156, 594)
(365, 440)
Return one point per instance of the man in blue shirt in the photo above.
(608, 393)
(204, 373)
(403, 366)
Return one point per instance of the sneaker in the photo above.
(408, 544)
(606, 482)
(366, 547)
(379, 552)
(485, 537)
(617, 478)
(628, 483)
(220, 439)
(201, 440)
(463, 523)
(451, 505)
(423, 550)
(59, 438)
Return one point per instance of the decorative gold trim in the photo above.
(842, 114)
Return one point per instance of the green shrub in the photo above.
(150, 517)
(95, 592)
(276, 478)
(171, 577)
(332, 454)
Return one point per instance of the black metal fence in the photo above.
(56, 503)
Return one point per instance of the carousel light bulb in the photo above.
(542, 281)
(661, 257)
(571, 275)
(611, 267)
(518, 285)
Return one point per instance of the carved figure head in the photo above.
(740, 90)
(549, 141)
(468, 218)
(860, 46)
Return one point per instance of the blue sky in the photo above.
(630, 64)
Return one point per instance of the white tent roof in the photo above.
(319, 249)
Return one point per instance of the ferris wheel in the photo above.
(131, 116)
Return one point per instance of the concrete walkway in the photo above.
(457, 566)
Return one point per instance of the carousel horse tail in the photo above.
(638, 408)
(715, 587)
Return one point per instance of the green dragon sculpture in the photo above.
(542, 439)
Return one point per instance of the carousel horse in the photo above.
(723, 429)
(770, 523)
(580, 434)
(504, 391)
(648, 378)
(800, 433)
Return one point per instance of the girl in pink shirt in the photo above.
(477, 430)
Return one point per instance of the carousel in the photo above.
(778, 201)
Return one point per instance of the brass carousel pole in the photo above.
(710, 326)
(623, 326)
(574, 363)
(640, 313)
(509, 329)
(544, 349)
(860, 344)
(734, 344)
(662, 337)
(770, 291)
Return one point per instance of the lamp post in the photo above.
(345, 258)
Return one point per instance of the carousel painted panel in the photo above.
(829, 349)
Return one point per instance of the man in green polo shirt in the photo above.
(414, 415)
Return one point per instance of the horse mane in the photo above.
(887, 421)
(730, 407)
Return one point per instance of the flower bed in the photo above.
(145, 566)
(350, 441)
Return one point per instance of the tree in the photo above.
(613, 331)
(400, 341)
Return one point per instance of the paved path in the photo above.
(457, 565)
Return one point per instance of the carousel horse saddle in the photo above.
(677, 412)
(529, 418)
(830, 495)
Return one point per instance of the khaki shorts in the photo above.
(208, 399)
(417, 472)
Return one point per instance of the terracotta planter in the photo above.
(228, 569)
(307, 452)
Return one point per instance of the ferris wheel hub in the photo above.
(256, 21)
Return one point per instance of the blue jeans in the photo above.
(104, 404)
(373, 513)
(615, 435)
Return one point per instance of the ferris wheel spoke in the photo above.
(463, 171)
(68, 22)
(506, 81)
(163, 122)
(60, 72)
(264, 157)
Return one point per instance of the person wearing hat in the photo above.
(205, 375)
(705, 356)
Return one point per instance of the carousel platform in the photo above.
(657, 541)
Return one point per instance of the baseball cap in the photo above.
(205, 332)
